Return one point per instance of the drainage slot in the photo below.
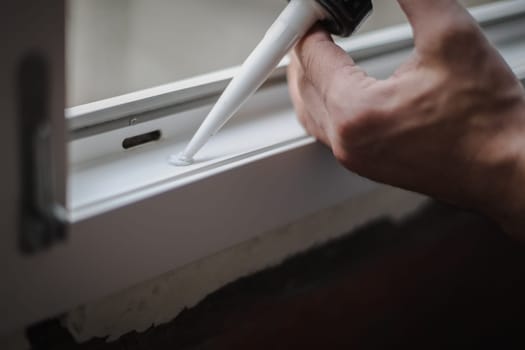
(141, 139)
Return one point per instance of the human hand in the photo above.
(450, 122)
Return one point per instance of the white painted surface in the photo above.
(98, 175)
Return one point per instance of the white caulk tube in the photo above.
(295, 20)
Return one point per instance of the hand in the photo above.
(450, 122)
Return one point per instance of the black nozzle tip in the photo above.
(345, 15)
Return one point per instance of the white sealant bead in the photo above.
(180, 160)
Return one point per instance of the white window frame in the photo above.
(132, 217)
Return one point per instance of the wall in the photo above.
(121, 46)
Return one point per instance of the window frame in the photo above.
(107, 249)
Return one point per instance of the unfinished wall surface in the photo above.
(160, 300)
(435, 279)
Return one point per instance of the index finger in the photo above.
(324, 62)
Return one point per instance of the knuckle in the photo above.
(349, 158)
(342, 155)
(357, 121)
(459, 37)
(343, 128)
(362, 112)
(460, 28)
